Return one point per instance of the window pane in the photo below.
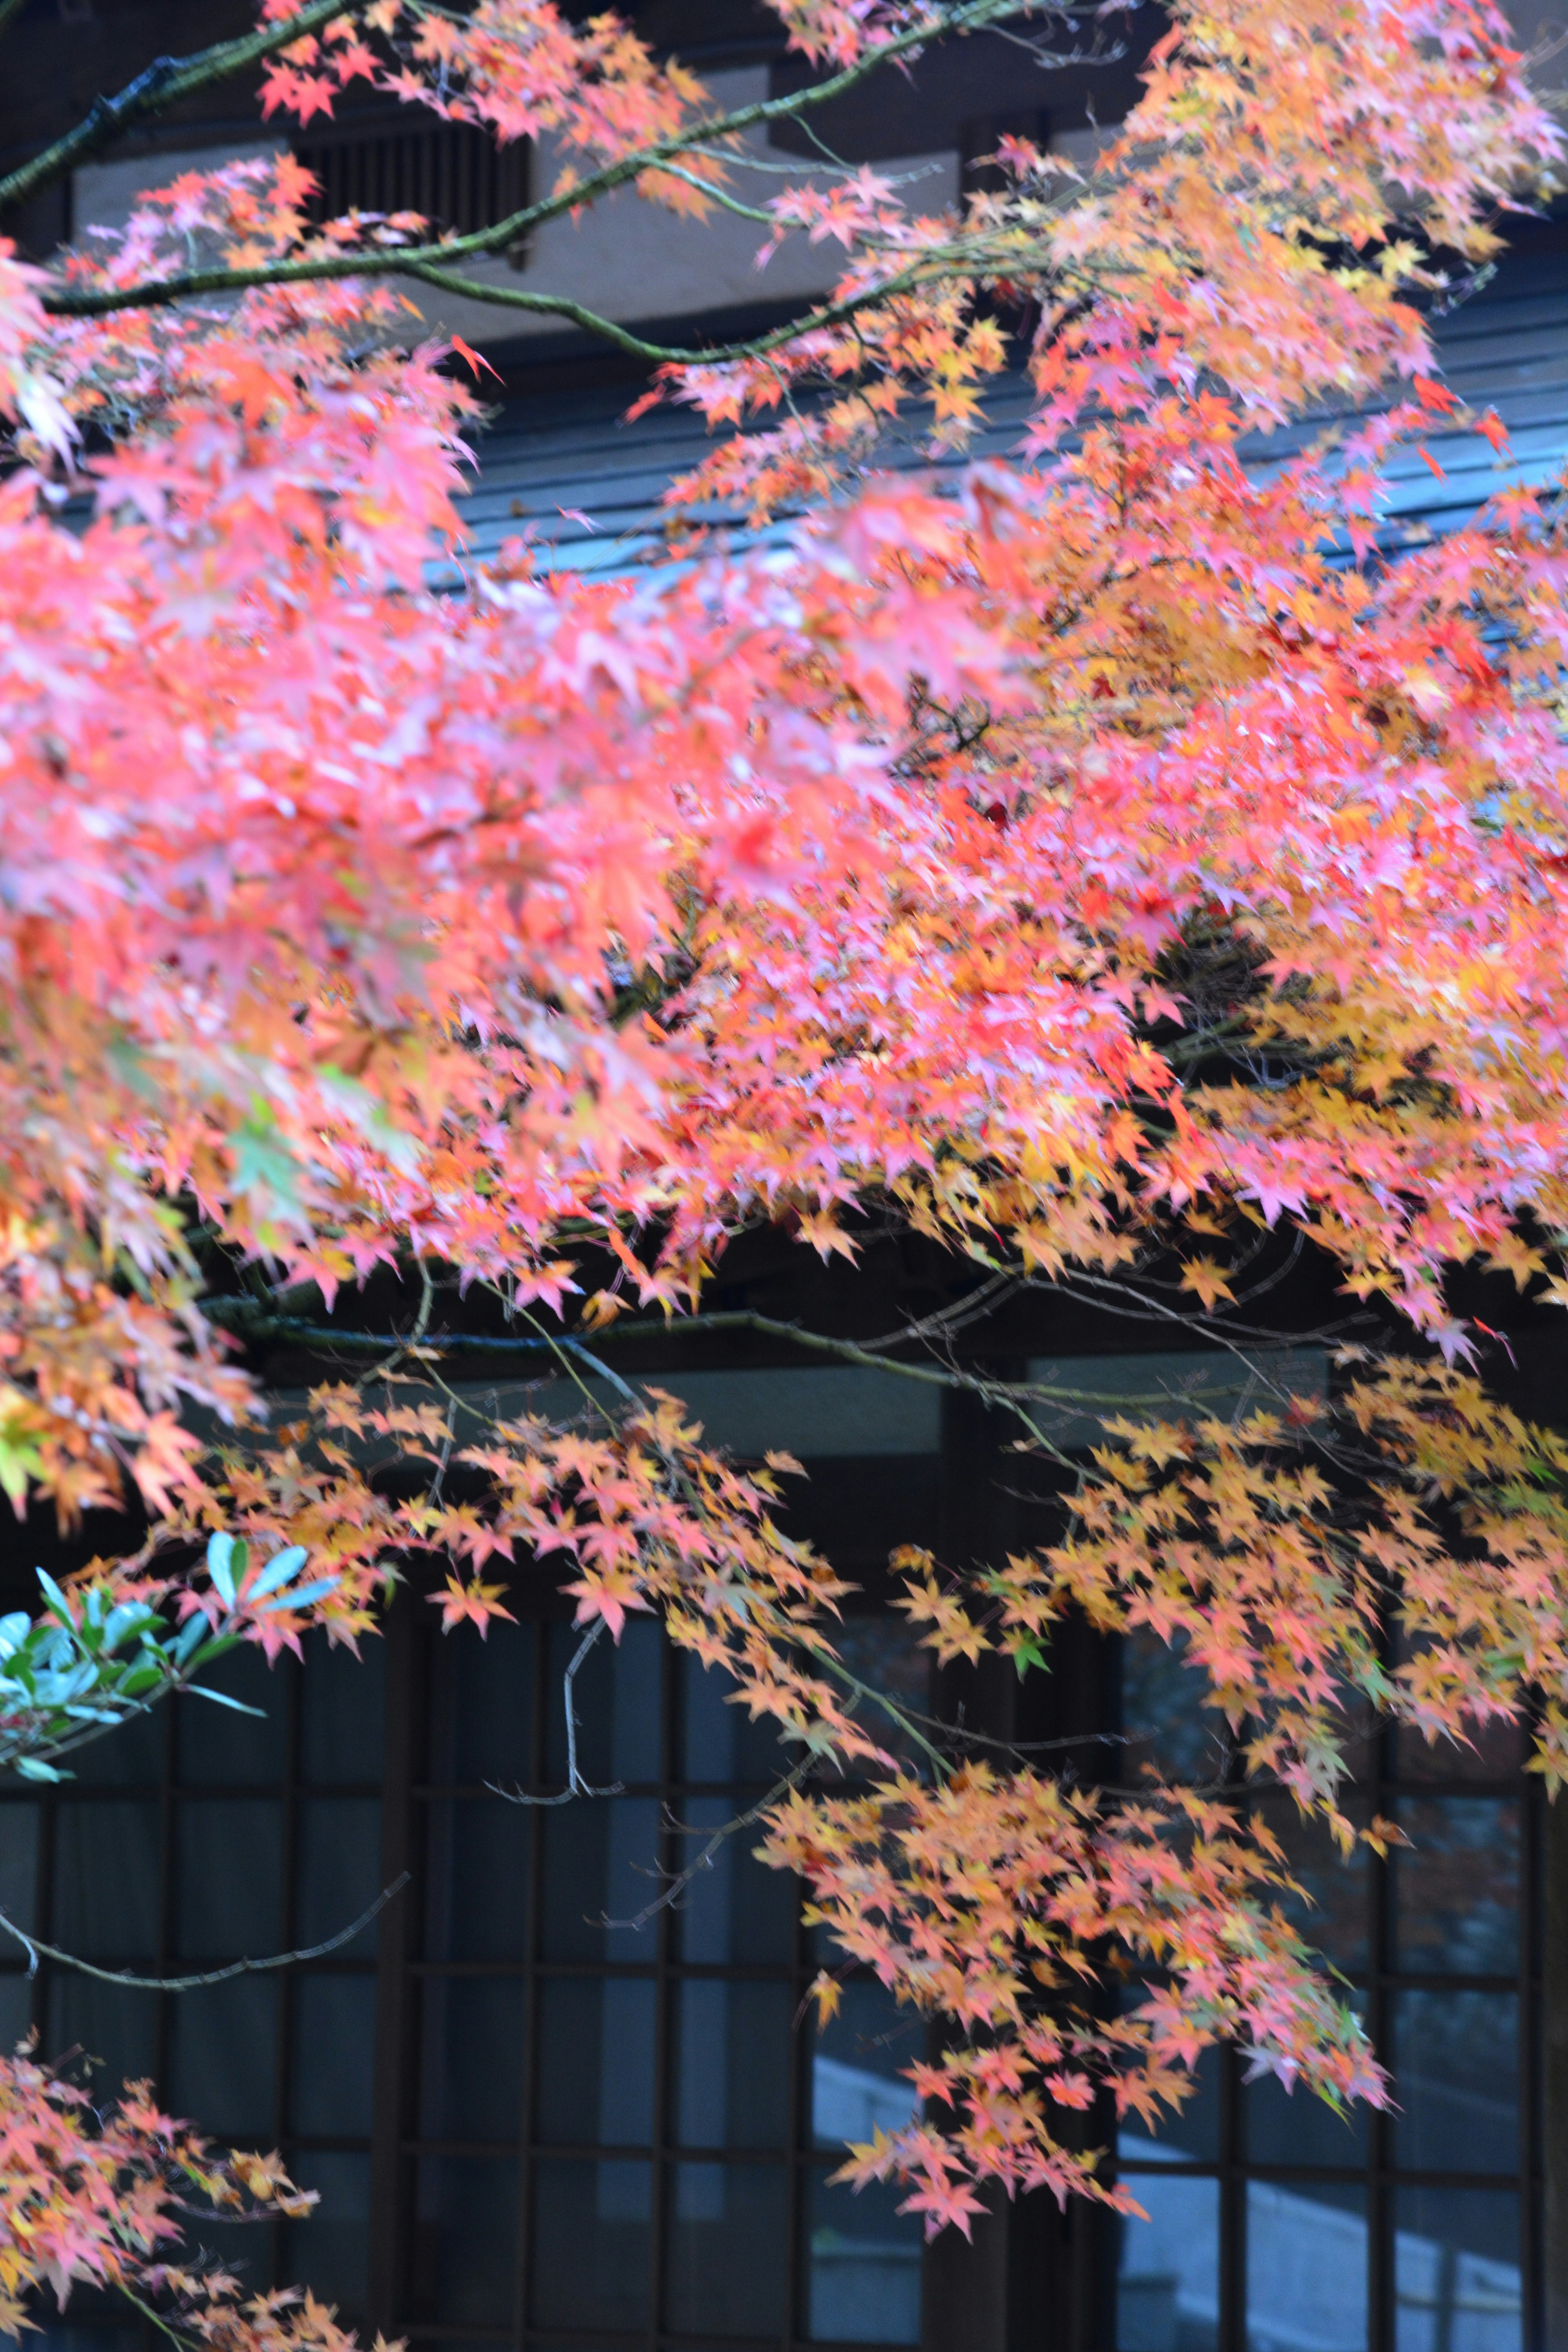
(223, 2054)
(484, 1707)
(600, 1862)
(1456, 1887)
(1333, 1908)
(245, 2248)
(1495, 1752)
(1190, 2136)
(1294, 2127)
(718, 1740)
(727, 2249)
(863, 2265)
(885, 1653)
(465, 2240)
(342, 1703)
(471, 2071)
(618, 1705)
(107, 1879)
(132, 1755)
(1456, 2060)
(329, 2253)
(855, 2067)
(339, 1870)
(213, 1745)
(1167, 2280)
(334, 2056)
(733, 2053)
(476, 1879)
(1306, 2267)
(591, 2244)
(229, 1854)
(736, 1908)
(1457, 2271)
(107, 2022)
(19, 1863)
(596, 2060)
(1164, 1719)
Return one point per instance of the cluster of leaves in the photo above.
(106, 1651)
(511, 66)
(1283, 1552)
(992, 1901)
(389, 928)
(93, 2196)
(644, 1515)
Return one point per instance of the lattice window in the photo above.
(620, 2133)
(411, 162)
(526, 2127)
(1273, 2224)
(199, 1836)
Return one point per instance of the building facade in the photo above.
(542, 2111)
(538, 2118)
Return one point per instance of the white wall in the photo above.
(627, 259)
(103, 195)
(1541, 26)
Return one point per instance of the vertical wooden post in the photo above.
(1554, 2071)
(1029, 2279)
(964, 2306)
(965, 2284)
(396, 2025)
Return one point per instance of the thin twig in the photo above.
(36, 1949)
(575, 1784)
(683, 1878)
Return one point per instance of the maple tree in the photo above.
(1088, 864)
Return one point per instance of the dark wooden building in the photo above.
(534, 2130)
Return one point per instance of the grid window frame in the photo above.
(395, 2146)
(1381, 2177)
(170, 1739)
(793, 2159)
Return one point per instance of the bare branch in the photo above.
(681, 1879)
(36, 1949)
(1017, 1397)
(575, 1784)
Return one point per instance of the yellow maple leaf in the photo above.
(1209, 1279)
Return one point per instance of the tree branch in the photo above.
(1020, 1398)
(98, 302)
(36, 1949)
(575, 1784)
(848, 1351)
(514, 297)
(680, 1880)
(165, 82)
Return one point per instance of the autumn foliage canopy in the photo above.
(1087, 861)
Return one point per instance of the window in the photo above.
(621, 2130)
(536, 2125)
(410, 162)
(201, 1835)
(572, 2130)
(1273, 2226)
